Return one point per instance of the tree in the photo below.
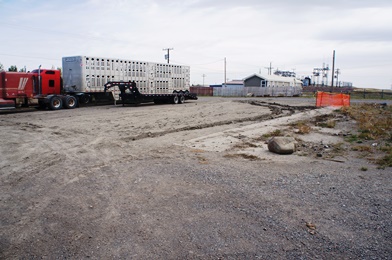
(1, 67)
(13, 68)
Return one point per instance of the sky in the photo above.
(250, 35)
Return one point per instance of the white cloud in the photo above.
(296, 35)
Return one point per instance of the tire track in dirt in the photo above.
(276, 112)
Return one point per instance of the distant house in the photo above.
(234, 83)
(257, 80)
(259, 85)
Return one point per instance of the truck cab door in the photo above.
(50, 82)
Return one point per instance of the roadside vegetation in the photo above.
(370, 137)
(374, 135)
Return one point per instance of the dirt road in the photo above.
(191, 181)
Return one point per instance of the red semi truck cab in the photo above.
(16, 86)
(50, 81)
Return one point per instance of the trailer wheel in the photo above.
(175, 99)
(181, 99)
(84, 99)
(70, 102)
(55, 103)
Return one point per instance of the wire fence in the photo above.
(287, 92)
(371, 94)
(247, 91)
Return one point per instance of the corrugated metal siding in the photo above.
(258, 91)
(253, 82)
(89, 74)
(202, 91)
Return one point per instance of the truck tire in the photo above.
(181, 99)
(70, 102)
(55, 103)
(85, 99)
(175, 99)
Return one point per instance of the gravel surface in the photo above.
(164, 182)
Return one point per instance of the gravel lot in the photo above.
(191, 181)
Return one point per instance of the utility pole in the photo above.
(333, 69)
(167, 56)
(337, 72)
(225, 72)
(204, 75)
(269, 69)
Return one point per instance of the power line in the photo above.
(24, 56)
(75, 36)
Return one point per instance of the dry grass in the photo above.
(245, 145)
(302, 127)
(375, 125)
(202, 160)
(386, 160)
(374, 121)
(363, 148)
(242, 155)
(327, 121)
(276, 132)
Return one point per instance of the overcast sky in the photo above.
(291, 35)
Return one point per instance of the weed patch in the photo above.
(276, 132)
(302, 127)
(242, 155)
(375, 125)
(245, 145)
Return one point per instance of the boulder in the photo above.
(282, 145)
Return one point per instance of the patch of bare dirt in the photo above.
(192, 181)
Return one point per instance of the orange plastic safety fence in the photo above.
(330, 99)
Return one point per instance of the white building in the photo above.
(260, 86)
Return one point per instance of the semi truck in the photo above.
(41, 87)
(83, 81)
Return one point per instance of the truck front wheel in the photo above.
(55, 103)
(70, 102)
